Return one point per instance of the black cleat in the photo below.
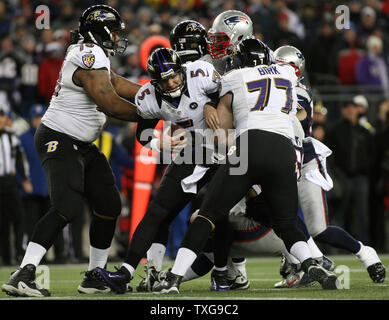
(327, 279)
(22, 284)
(92, 284)
(169, 285)
(239, 283)
(117, 281)
(285, 267)
(219, 281)
(152, 279)
(377, 272)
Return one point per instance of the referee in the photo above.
(12, 160)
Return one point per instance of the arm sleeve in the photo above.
(142, 125)
(21, 163)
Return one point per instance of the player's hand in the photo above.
(173, 143)
(211, 118)
(27, 186)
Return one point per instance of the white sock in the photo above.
(315, 251)
(34, 254)
(130, 268)
(185, 258)
(290, 258)
(156, 254)
(360, 250)
(189, 275)
(241, 266)
(97, 257)
(220, 269)
(367, 255)
(300, 250)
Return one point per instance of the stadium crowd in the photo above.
(354, 59)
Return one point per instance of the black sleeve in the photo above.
(213, 99)
(145, 124)
(21, 163)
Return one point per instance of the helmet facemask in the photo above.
(173, 94)
(163, 65)
(219, 45)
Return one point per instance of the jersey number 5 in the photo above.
(263, 86)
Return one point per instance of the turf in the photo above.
(262, 272)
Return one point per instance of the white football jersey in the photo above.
(264, 97)
(219, 64)
(202, 81)
(72, 111)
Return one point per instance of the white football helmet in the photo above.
(292, 56)
(228, 29)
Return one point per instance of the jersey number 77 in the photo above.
(264, 86)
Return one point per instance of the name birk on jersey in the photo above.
(268, 70)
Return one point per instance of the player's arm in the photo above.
(226, 120)
(123, 87)
(97, 84)
(165, 142)
(210, 113)
(301, 114)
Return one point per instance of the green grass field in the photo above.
(262, 272)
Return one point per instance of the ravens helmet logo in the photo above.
(100, 15)
(193, 27)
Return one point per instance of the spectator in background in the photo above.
(380, 121)
(372, 70)
(280, 35)
(47, 36)
(12, 161)
(9, 73)
(130, 67)
(347, 52)
(368, 23)
(5, 21)
(381, 187)
(29, 76)
(363, 105)
(319, 121)
(36, 202)
(49, 70)
(321, 67)
(352, 147)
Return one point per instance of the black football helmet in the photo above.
(251, 52)
(97, 23)
(189, 39)
(162, 64)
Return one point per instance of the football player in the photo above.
(315, 180)
(177, 93)
(228, 29)
(188, 39)
(75, 169)
(265, 138)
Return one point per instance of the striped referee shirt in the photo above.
(12, 157)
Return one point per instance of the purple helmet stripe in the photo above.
(166, 64)
(159, 62)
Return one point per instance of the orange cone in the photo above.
(144, 172)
